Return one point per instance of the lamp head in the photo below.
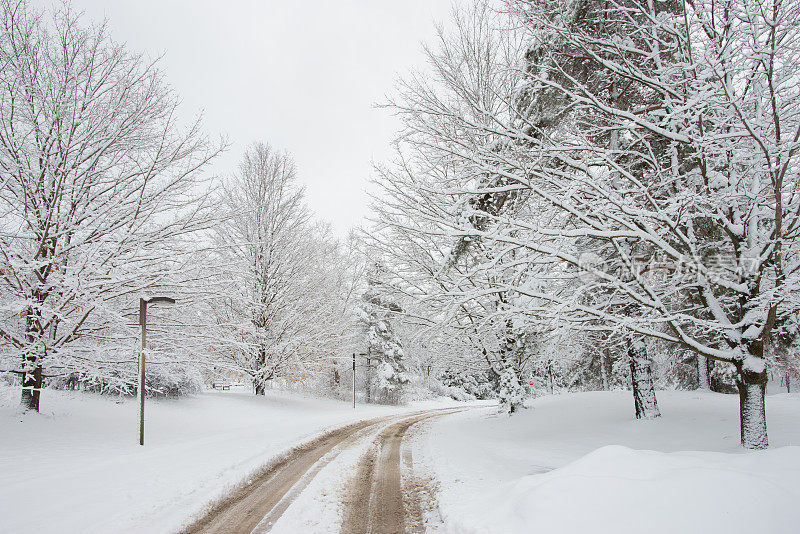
(156, 300)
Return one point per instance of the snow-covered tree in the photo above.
(512, 393)
(695, 199)
(98, 182)
(383, 344)
(665, 147)
(284, 281)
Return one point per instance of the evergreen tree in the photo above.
(383, 343)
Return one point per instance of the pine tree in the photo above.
(384, 345)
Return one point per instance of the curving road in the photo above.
(385, 495)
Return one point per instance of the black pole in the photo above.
(143, 324)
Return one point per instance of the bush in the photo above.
(161, 381)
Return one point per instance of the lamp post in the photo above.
(143, 323)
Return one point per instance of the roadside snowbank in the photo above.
(570, 465)
(77, 466)
(617, 489)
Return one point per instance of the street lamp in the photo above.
(143, 323)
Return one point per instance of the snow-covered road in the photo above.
(382, 497)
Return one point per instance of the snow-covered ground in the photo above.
(581, 463)
(571, 463)
(77, 466)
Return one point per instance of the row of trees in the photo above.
(617, 177)
(582, 190)
(105, 197)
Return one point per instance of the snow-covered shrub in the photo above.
(481, 385)
(9, 379)
(109, 383)
(512, 394)
(723, 378)
(422, 388)
(161, 380)
(455, 393)
(173, 381)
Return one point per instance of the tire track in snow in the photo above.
(384, 501)
(256, 506)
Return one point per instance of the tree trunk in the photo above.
(752, 386)
(31, 364)
(368, 380)
(259, 380)
(258, 386)
(644, 393)
(788, 376)
(603, 370)
(702, 373)
(31, 389)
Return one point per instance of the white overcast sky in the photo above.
(301, 75)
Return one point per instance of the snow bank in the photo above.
(582, 463)
(77, 466)
(616, 489)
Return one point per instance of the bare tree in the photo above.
(286, 296)
(97, 179)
